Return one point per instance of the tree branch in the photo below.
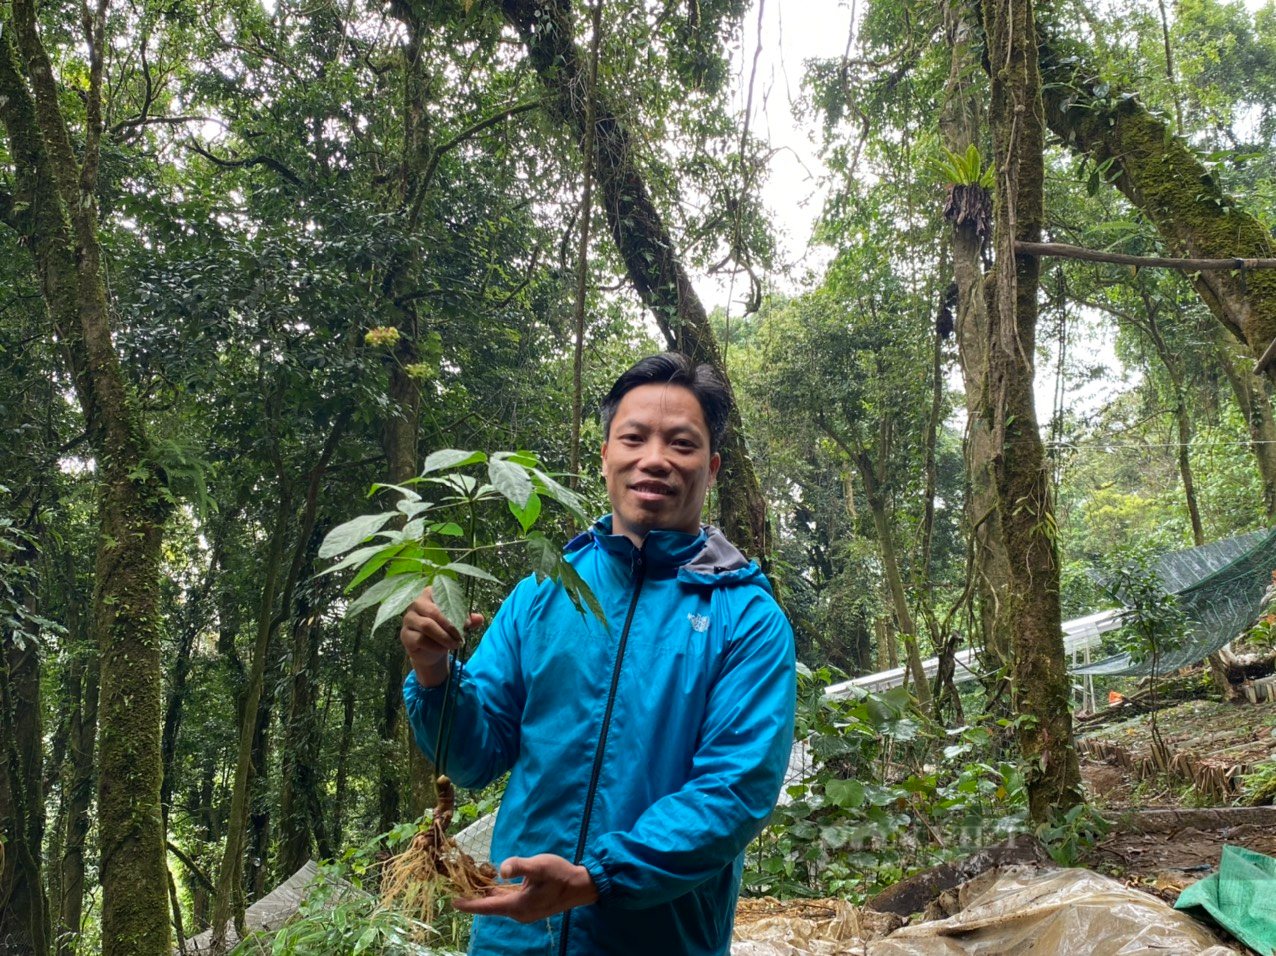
(1064, 251)
(266, 161)
(469, 133)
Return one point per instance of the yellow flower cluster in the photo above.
(383, 336)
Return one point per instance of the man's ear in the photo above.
(602, 454)
(714, 464)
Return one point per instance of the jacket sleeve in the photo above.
(489, 703)
(747, 734)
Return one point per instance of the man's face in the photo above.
(657, 462)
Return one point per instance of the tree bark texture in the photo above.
(1157, 172)
(24, 928)
(58, 220)
(1255, 402)
(79, 779)
(1040, 680)
(642, 238)
(960, 122)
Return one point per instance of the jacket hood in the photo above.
(706, 558)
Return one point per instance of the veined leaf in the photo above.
(562, 494)
(408, 493)
(450, 597)
(449, 529)
(543, 554)
(527, 516)
(397, 598)
(451, 458)
(460, 567)
(511, 480)
(375, 564)
(579, 591)
(524, 458)
(355, 531)
(384, 589)
(353, 558)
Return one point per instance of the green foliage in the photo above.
(1068, 836)
(1154, 623)
(964, 169)
(888, 792)
(339, 915)
(420, 551)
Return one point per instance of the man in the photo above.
(644, 753)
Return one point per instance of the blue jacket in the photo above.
(650, 751)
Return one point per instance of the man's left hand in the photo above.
(550, 885)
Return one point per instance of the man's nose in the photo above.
(654, 457)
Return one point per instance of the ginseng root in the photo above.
(433, 866)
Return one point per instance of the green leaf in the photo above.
(404, 591)
(527, 515)
(408, 493)
(375, 564)
(451, 458)
(544, 555)
(511, 480)
(448, 529)
(460, 567)
(345, 536)
(524, 458)
(414, 508)
(353, 558)
(564, 496)
(578, 590)
(380, 591)
(450, 597)
(848, 794)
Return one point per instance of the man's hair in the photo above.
(674, 368)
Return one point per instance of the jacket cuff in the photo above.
(602, 882)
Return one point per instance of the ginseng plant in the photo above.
(438, 543)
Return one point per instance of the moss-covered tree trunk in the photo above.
(55, 210)
(960, 123)
(78, 779)
(24, 924)
(1157, 172)
(642, 238)
(1254, 399)
(1040, 680)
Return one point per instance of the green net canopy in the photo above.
(1220, 588)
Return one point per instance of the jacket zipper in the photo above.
(602, 741)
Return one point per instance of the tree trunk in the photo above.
(1182, 423)
(230, 875)
(894, 579)
(960, 122)
(57, 217)
(79, 783)
(1027, 512)
(24, 926)
(347, 735)
(643, 240)
(1157, 172)
(1255, 402)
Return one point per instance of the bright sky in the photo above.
(792, 32)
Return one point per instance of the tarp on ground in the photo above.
(1011, 911)
(1241, 897)
(1220, 587)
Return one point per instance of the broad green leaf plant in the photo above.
(442, 526)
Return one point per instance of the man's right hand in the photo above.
(429, 637)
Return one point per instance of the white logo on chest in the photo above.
(699, 623)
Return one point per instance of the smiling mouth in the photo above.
(651, 491)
